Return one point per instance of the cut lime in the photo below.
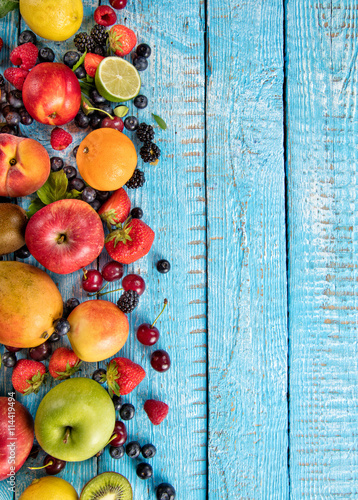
(117, 80)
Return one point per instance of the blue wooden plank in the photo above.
(247, 315)
(322, 163)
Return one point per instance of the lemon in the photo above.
(117, 80)
(49, 487)
(52, 19)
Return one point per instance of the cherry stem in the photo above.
(161, 312)
(111, 439)
(90, 108)
(43, 467)
(104, 293)
(67, 435)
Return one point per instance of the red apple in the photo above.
(65, 236)
(16, 436)
(24, 165)
(52, 93)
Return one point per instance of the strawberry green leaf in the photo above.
(120, 111)
(7, 6)
(54, 189)
(80, 61)
(160, 121)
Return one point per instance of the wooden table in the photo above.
(254, 204)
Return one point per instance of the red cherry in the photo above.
(112, 271)
(147, 333)
(12, 349)
(40, 352)
(133, 282)
(120, 432)
(53, 465)
(92, 280)
(160, 360)
(118, 4)
(116, 123)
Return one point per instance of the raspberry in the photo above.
(24, 55)
(16, 76)
(60, 139)
(105, 15)
(156, 410)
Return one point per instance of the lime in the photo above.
(117, 80)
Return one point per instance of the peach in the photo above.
(24, 165)
(99, 329)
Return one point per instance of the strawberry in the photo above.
(28, 376)
(24, 55)
(16, 76)
(60, 139)
(156, 411)
(63, 363)
(130, 241)
(122, 39)
(123, 376)
(91, 63)
(116, 209)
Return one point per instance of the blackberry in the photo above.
(145, 133)
(137, 180)
(128, 301)
(83, 41)
(99, 34)
(149, 152)
(2, 81)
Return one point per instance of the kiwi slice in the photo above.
(107, 486)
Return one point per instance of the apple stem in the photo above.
(61, 239)
(161, 312)
(67, 435)
(104, 293)
(43, 467)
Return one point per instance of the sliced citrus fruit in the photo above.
(117, 80)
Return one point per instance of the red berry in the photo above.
(147, 334)
(53, 465)
(118, 4)
(116, 123)
(160, 360)
(41, 352)
(92, 280)
(105, 15)
(121, 434)
(16, 76)
(12, 349)
(2, 43)
(133, 282)
(112, 271)
(156, 410)
(60, 139)
(24, 55)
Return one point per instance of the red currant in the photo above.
(53, 465)
(116, 123)
(112, 271)
(147, 334)
(41, 352)
(120, 431)
(118, 4)
(133, 282)
(160, 360)
(92, 280)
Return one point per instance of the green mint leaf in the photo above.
(86, 87)
(54, 189)
(89, 79)
(34, 207)
(74, 194)
(80, 61)
(120, 111)
(6, 6)
(160, 121)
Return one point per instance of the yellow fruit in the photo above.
(52, 19)
(49, 488)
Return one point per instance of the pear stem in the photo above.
(42, 467)
(67, 435)
(161, 312)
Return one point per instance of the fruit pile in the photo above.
(75, 213)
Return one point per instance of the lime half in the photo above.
(117, 80)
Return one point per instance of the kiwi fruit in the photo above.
(13, 220)
(109, 486)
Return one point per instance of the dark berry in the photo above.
(99, 34)
(3, 97)
(163, 266)
(134, 282)
(70, 58)
(96, 204)
(80, 72)
(96, 97)
(116, 452)
(131, 123)
(13, 118)
(140, 101)
(62, 327)
(127, 411)
(145, 133)
(6, 109)
(76, 183)
(14, 98)
(133, 449)
(88, 194)
(144, 471)
(92, 280)
(55, 337)
(2, 82)
(95, 120)
(165, 491)
(81, 119)
(70, 304)
(46, 54)
(53, 465)
(120, 433)
(143, 50)
(102, 195)
(136, 213)
(56, 163)
(107, 108)
(148, 450)
(112, 271)
(100, 50)
(149, 152)
(9, 359)
(70, 172)
(140, 64)
(8, 129)
(117, 402)
(128, 301)
(83, 41)
(137, 180)
(25, 117)
(74, 151)
(12, 349)
(40, 352)
(160, 360)
(99, 375)
(22, 253)
(27, 36)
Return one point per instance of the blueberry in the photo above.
(55, 337)
(70, 172)
(99, 375)
(22, 253)
(62, 327)
(102, 195)
(46, 54)
(95, 120)
(101, 51)
(82, 120)
(56, 163)
(127, 411)
(13, 118)
(26, 119)
(143, 50)
(131, 123)
(144, 471)
(88, 194)
(14, 98)
(70, 58)
(74, 151)
(80, 72)
(133, 449)
(105, 107)
(149, 450)
(9, 359)
(70, 304)
(140, 102)
(8, 129)
(163, 266)
(116, 452)
(117, 402)
(96, 205)
(27, 36)
(140, 63)
(76, 183)
(165, 491)
(96, 97)
(136, 213)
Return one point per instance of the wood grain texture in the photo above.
(322, 162)
(247, 315)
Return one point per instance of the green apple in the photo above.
(75, 420)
